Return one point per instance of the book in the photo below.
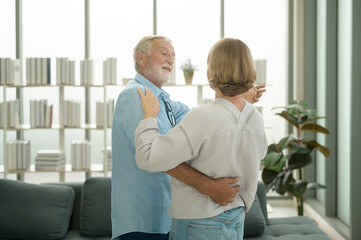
(11, 70)
(105, 72)
(260, 66)
(1, 115)
(2, 71)
(110, 112)
(113, 71)
(33, 71)
(27, 153)
(7, 71)
(44, 71)
(10, 157)
(50, 153)
(28, 71)
(38, 74)
(48, 72)
(48, 115)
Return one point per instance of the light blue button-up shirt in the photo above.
(140, 199)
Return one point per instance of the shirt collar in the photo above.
(153, 88)
(232, 108)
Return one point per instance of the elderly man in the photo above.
(140, 199)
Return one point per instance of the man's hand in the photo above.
(222, 190)
(253, 95)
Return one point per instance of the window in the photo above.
(262, 25)
(52, 29)
(7, 48)
(116, 27)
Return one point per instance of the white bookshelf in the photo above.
(96, 167)
(61, 129)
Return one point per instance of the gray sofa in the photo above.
(82, 211)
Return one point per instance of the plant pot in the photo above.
(188, 76)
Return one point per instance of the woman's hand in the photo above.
(253, 94)
(150, 103)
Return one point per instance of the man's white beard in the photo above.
(157, 75)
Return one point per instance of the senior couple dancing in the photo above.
(181, 173)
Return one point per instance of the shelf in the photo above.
(56, 85)
(96, 167)
(55, 127)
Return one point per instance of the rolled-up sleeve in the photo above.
(156, 152)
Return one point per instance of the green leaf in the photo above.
(280, 165)
(271, 161)
(301, 149)
(314, 119)
(293, 102)
(314, 185)
(291, 119)
(268, 176)
(272, 148)
(311, 113)
(283, 143)
(313, 127)
(303, 119)
(298, 188)
(303, 103)
(279, 186)
(294, 109)
(299, 160)
(287, 179)
(324, 150)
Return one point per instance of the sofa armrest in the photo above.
(261, 193)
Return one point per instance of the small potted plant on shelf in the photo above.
(291, 154)
(188, 70)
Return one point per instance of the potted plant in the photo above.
(188, 70)
(292, 154)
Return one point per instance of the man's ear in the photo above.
(141, 58)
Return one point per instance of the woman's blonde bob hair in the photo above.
(230, 67)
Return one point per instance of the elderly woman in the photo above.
(222, 138)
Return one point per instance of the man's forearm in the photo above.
(190, 176)
(220, 190)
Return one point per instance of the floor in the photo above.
(276, 207)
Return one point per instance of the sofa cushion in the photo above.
(254, 224)
(32, 211)
(261, 194)
(95, 220)
(75, 216)
(295, 228)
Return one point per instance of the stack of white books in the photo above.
(71, 113)
(18, 154)
(110, 71)
(10, 73)
(100, 113)
(38, 71)
(261, 66)
(41, 114)
(12, 113)
(50, 160)
(86, 72)
(109, 157)
(80, 154)
(65, 71)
